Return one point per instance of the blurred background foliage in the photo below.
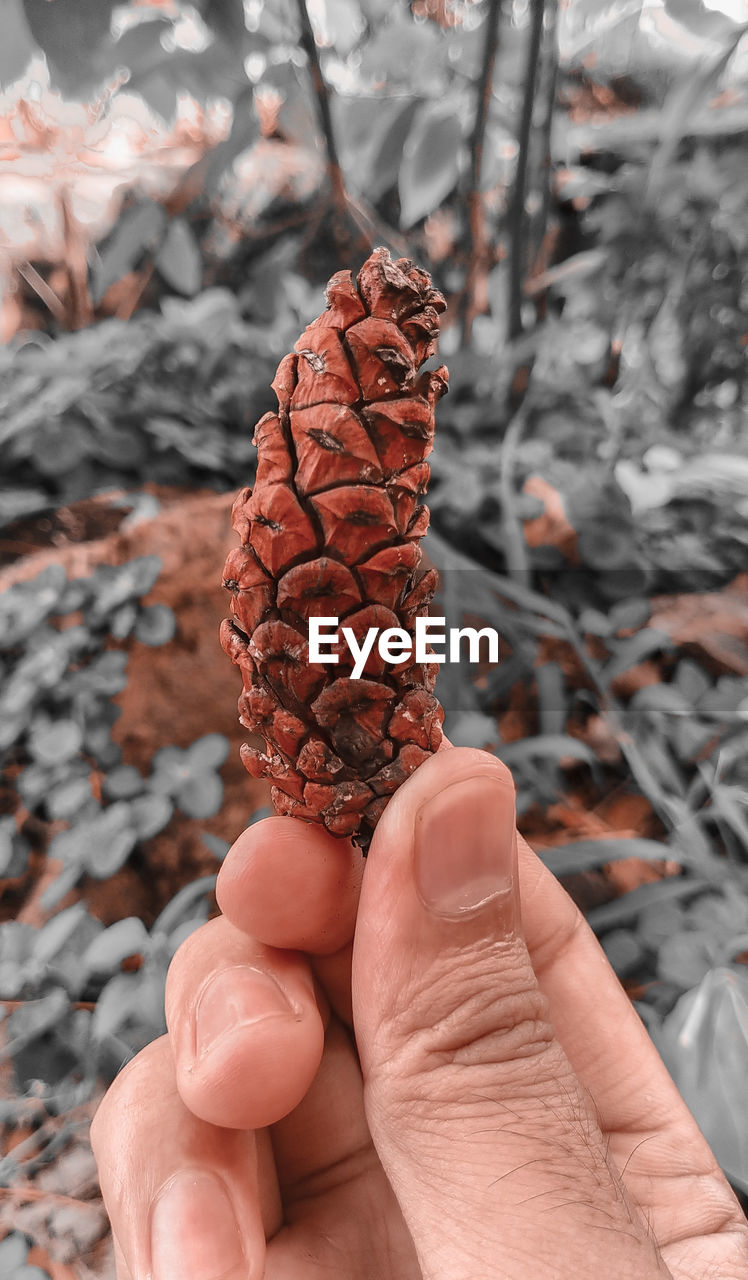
(177, 181)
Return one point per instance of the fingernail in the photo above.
(237, 997)
(194, 1233)
(465, 846)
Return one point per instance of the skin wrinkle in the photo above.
(715, 1207)
(603, 1176)
(517, 1007)
(560, 942)
(350, 1168)
(738, 1259)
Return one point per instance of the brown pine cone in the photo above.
(332, 529)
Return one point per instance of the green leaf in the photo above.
(692, 680)
(704, 1042)
(60, 446)
(51, 743)
(226, 17)
(16, 941)
(18, 503)
(184, 931)
(712, 24)
(136, 231)
(661, 697)
(339, 23)
(115, 585)
(123, 783)
(219, 848)
(179, 259)
(52, 937)
(61, 886)
(659, 921)
(150, 814)
(169, 771)
(139, 48)
(160, 91)
(107, 951)
(33, 1019)
(244, 132)
(629, 653)
(208, 752)
(123, 448)
(431, 162)
(23, 605)
(624, 951)
(72, 36)
(85, 843)
(691, 91)
(65, 800)
(156, 625)
(721, 915)
(117, 1002)
(384, 156)
(606, 544)
(584, 855)
(8, 831)
(109, 857)
(686, 957)
(631, 615)
(473, 729)
(104, 676)
(259, 815)
(123, 620)
(14, 1250)
(183, 900)
(553, 745)
(202, 797)
(473, 584)
(403, 52)
(730, 803)
(74, 596)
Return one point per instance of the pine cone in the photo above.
(332, 529)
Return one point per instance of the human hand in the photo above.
(504, 1113)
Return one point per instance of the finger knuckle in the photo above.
(486, 1013)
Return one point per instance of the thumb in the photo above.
(488, 1138)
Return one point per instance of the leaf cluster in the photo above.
(172, 394)
(74, 1011)
(565, 709)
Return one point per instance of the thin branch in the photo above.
(79, 309)
(547, 94)
(517, 218)
(42, 289)
(476, 214)
(335, 173)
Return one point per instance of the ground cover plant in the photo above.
(574, 183)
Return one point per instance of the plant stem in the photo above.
(476, 217)
(515, 547)
(79, 311)
(517, 219)
(334, 171)
(547, 94)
